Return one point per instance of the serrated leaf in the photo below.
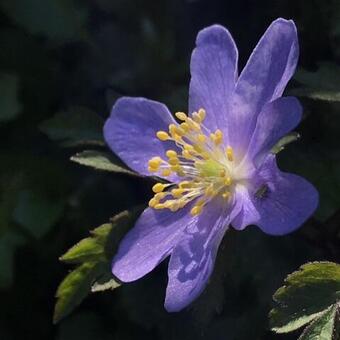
(87, 249)
(74, 288)
(100, 161)
(306, 294)
(94, 254)
(78, 125)
(321, 328)
(10, 105)
(56, 19)
(289, 138)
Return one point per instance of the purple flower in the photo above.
(217, 161)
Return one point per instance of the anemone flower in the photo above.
(215, 162)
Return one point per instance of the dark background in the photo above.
(62, 65)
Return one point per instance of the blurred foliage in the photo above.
(62, 65)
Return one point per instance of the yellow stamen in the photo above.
(159, 196)
(218, 137)
(150, 169)
(226, 195)
(186, 154)
(166, 172)
(174, 161)
(171, 153)
(185, 127)
(159, 206)
(152, 202)
(155, 162)
(230, 153)
(196, 118)
(185, 184)
(228, 181)
(181, 116)
(177, 192)
(201, 138)
(197, 208)
(162, 135)
(201, 159)
(159, 187)
(201, 113)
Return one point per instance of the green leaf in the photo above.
(74, 288)
(76, 126)
(10, 105)
(322, 84)
(87, 249)
(56, 19)
(289, 138)
(100, 161)
(305, 296)
(105, 238)
(106, 282)
(321, 328)
(94, 255)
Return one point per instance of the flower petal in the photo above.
(264, 78)
(276, 119)
(131, 131)
(213, 75)
(192, 260)
(284, 204)
(149, 242)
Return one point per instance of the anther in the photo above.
(159, 187)
(201, 138)
(230, 153)
(162, 135)
(173, 161)
(218, 137)
(171, 153)
(177, 192)
(226, 195)
(228, 181)
(154, 163)
(159, 206)
(185, 184)
(181, 116)
(166, 172)
(197, 209)
(153, 202)
(201, 113)
(185, 127)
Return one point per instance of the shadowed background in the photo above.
(62, 65)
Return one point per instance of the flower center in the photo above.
(201, 159)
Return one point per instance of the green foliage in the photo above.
(74, 288)
(100, 161)
(105, 282)
(78, 125)
(281, 144)
(58, 19)
(322, 328)
(93, 255)
(322, 84)
(10, 105)
(310, 293)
